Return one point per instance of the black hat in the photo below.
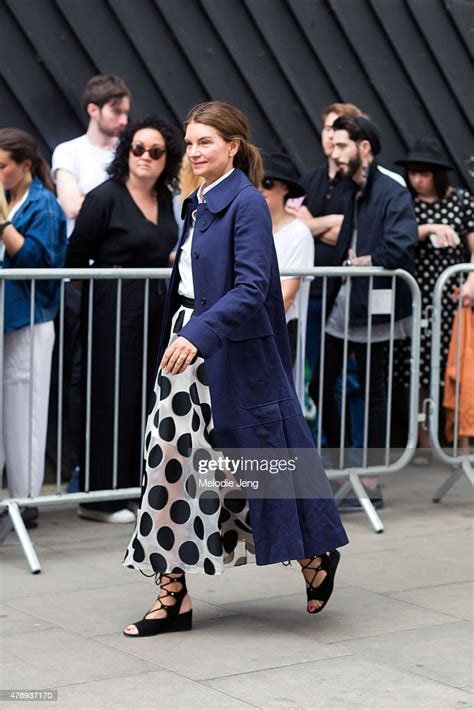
(426, 151)
(279, 167)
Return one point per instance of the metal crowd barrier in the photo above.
(13, 505)
(345, 468)
(351, 472)
(461, 462)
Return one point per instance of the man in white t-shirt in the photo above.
(78, 166)
(81, 164)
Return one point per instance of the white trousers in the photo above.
(17, 380)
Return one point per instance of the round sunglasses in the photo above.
(268, 183)
(155, 152)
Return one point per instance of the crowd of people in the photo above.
(113, 198)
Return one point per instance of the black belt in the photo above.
(187, 302)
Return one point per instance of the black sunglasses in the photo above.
(155, 152)
(268, 183)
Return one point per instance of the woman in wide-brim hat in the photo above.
(294, 245)
(445, 230)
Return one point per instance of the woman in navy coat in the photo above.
(224, 398)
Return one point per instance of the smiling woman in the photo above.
(224, 380)
(209, 154)
(125, 222)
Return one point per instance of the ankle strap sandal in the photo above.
(174, 621)
(324, 589)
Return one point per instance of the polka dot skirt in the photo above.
(181, 525)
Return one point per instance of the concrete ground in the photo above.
(396, 633)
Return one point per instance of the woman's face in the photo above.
(274, 192)
(209, 154)
(144, 166)
(422, 182)
(12, 174)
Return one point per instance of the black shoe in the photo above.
(30, 517)
(323, 591)
(174, 621)
(350, 504)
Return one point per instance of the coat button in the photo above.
(203, 300)
(196, 254)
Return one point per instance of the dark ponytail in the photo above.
(22, 146)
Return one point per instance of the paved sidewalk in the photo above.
(396, 633)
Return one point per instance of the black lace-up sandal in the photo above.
(322, 591)
(174, 621)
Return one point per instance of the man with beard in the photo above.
(379, 229)
(327, 194)
(78, 166)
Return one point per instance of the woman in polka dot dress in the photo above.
(445, 218)
(224, 384)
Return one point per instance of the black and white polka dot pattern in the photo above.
(456, 210)
(181, 526)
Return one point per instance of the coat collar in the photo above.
(366, 190)
(222, 194)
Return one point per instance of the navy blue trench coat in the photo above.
(239, 329)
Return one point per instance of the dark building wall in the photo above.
(405, 62)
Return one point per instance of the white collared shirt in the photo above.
(185, 267)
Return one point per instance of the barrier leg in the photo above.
(6, 526)
(365, 502)
(342, 491)
(455, 474)
(468, 471)
(24, 538)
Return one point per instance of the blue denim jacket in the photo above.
(41, 221)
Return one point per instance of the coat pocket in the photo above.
(256, 371)
(257, 326)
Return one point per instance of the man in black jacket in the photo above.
(379, 229)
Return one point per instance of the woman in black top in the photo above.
(445, 217)
(127, 222)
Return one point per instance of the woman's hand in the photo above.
(445, 235)
(300, 212)
(178, 356)
(467, 291)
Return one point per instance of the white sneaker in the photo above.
(120, 516)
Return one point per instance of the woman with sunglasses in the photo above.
(224, 381)
(127, 222)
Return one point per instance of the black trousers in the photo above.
(331, 418)
(103, 395)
